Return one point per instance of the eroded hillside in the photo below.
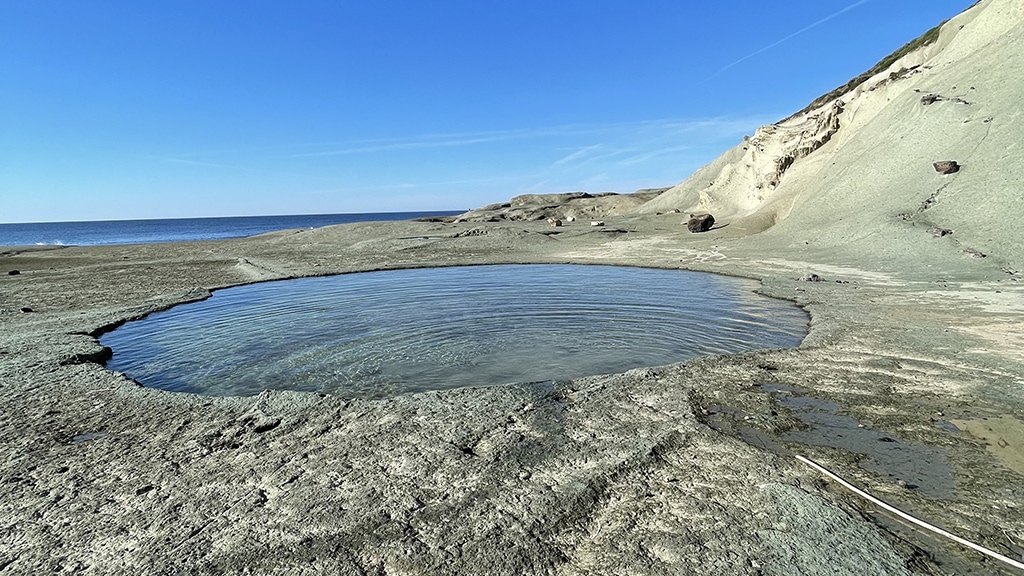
(858, 164)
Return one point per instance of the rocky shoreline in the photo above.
(678, 468)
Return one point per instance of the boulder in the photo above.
(700, 222)
(946, 167)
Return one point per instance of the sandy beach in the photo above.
(915, 338)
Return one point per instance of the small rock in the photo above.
(570, 218)
(946, 167)
(26, 309)
(700, 222)
(554, 222)
(930, 99)
(13, 272)
(975, 253)
(597, 222)
(811, 277)
(939, 232)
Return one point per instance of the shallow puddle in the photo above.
(916, 466)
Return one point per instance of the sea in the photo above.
(96, 233)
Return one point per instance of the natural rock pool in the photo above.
(379, 334)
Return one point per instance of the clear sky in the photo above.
(159, 109)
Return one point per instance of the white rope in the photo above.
(908, 517)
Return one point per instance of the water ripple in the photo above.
(378, 334)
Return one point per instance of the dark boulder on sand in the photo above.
(700, 222)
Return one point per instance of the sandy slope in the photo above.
(685, 468)
(855, 175)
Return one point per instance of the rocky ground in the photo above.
(685, 468)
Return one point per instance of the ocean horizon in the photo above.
(150, 231)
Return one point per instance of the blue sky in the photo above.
(157, 109)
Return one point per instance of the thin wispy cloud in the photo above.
(612, 156)
(457, 139)
(790, 37)
(590, 155)
(646, 157)
(233, 167)
(577, 155)
(666, 126)
(412, 145)
(504, 178)
(199, 163)
(490, 180)
(436, 140)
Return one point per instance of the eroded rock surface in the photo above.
(562, 207)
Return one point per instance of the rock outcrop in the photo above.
(565, 207)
